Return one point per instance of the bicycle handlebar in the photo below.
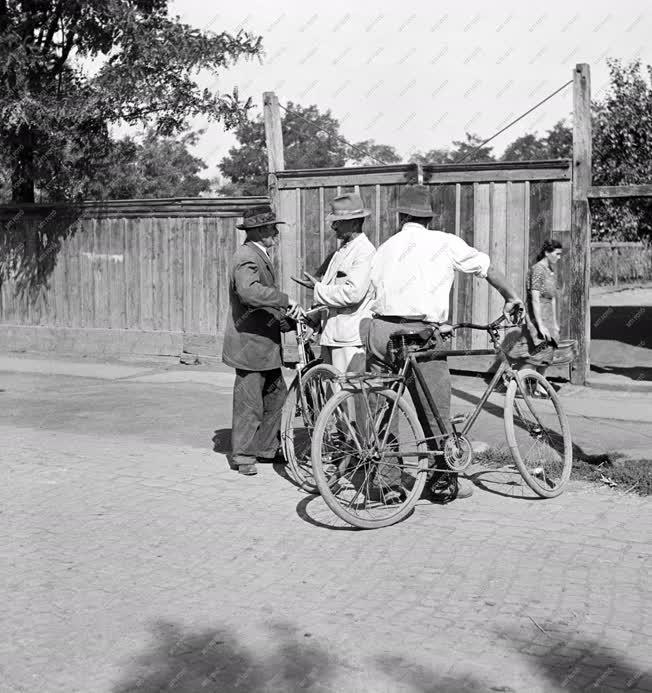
(489, 326)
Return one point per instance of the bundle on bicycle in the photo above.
(371, 458)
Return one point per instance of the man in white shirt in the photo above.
(412, 274)
(344, 288)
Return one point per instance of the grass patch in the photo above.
(621, 474)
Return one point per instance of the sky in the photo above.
(418, 75)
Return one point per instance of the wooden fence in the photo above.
(504, 209)
(145, 276)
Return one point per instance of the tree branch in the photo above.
(53, 27)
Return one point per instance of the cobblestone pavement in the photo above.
(141, 563)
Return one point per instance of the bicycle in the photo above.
(313, 384)
(371, 473)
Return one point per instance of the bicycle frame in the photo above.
(410, 366)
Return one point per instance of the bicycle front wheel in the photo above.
(300, 411)
(538, 433)
(369, 461)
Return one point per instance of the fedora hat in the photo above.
(347, 206)
(261, 215)
(415, 200)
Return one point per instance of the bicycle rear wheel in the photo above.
(300, 412)
(370, 472)
(538, 434)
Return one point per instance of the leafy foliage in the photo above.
(157, 167)
(55, 115)
(311, 139)
(622, 151)
(469, 149)
(368, 153)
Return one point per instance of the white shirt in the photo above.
(413, 272)
(261, 246)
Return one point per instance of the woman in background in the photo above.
(541, 330)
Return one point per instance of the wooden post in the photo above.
(580, 245)
(614, 252)
(284, 203)
(273, 133)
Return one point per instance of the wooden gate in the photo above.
(504, 209)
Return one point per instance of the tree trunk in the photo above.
(22, 177)
(22, 182)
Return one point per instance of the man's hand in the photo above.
(513, 310)
(295, 311)
(310, 278)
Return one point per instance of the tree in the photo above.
(311, 139)
(559, 141)
(433, 156)
(471, 149)
(55, 115)
(376, 153)
(156, 167)
(526, 147)
(622, 151)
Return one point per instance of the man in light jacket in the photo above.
(345, 287)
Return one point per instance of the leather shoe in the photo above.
(247, 469)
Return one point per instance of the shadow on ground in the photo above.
(222, 443)
(287, 659)
(640, 373)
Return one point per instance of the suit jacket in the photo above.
(345, 289)
(252, 338)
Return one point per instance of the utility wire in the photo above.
(473, 151)
(337, 137)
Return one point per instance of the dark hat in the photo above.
(415, 200)
(261, 215)
(347, 206)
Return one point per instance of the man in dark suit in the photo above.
(252, 342)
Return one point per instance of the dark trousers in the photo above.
(435, 374)
(258, 398)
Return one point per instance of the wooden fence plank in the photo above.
(368, 195)
(561, 221)
(540, 217)
(606, 192)
(346, 179)
(187, 276)
(482, 222)
(443, 204)
(196, 276)
(117, 276)
(175, 279)
(217, 227)
(498, 243)
(330, 241)
(388, 217)
(133, 270)
(310, 229)
(74, 275)
(160, 271)
(146, 279)
(465, 281)
(86, 256)
(517, 231)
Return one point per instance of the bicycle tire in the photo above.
(300, 468)
(326, 486)
(538, 483)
